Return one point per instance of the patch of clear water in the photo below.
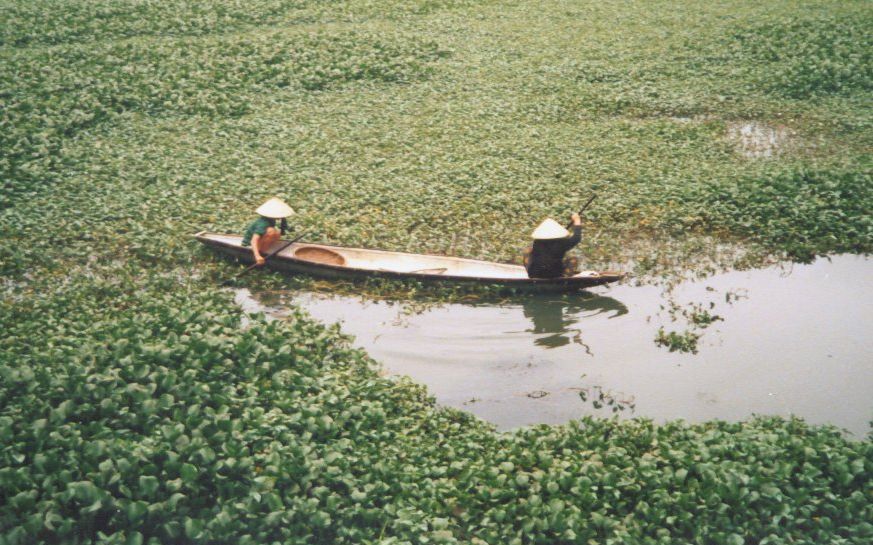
(793, 341)
(755, 139)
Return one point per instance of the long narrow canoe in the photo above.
(356, 263)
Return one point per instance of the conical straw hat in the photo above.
(274, 208)
(548, 230)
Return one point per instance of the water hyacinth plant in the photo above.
(137, 405)
(157, 418)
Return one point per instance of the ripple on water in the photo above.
(796, 342)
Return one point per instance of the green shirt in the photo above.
(257, 227)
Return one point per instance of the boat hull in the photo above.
(363, 264)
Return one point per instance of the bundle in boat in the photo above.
(315, 254)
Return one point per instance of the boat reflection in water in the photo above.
(510, 360)
(555, 320)
(522, 359)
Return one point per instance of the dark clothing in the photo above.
(547, 256)
(257, 227)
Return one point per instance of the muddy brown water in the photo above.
(792, 341)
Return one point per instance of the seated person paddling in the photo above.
(262, 232)
(551, 242)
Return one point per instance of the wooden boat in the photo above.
(357, 263)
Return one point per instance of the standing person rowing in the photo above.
(262, 233)
(551, 242)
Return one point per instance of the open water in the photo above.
(791, 340)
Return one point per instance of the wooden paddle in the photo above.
(266, 257)
(581, 210)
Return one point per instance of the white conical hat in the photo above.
(549, 229)
(274, 208)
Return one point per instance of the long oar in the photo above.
(582, 210)
(268, 256)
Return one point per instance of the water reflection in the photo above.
(554, 319)
(793, 345)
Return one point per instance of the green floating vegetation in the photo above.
(805, 212)
(29, 23)
(678, 341)
(811, 56)
(151, 413)
(54, 94)
(136, 406)
(413, 129)
(46, 22)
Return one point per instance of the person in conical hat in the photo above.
(551, 242)
(262, 233)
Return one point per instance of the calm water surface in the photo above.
(793, 340)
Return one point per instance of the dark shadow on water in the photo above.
(555, 319)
